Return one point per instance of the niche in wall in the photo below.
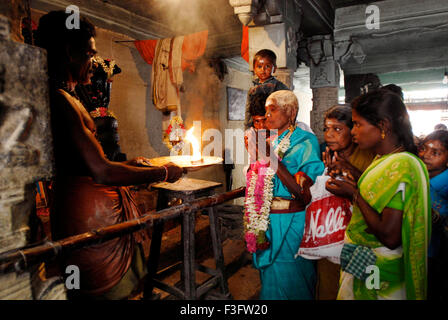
(236, 104)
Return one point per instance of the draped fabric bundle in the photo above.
(169, 58)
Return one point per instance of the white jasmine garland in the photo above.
(257, 221)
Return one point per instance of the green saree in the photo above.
(398, 181)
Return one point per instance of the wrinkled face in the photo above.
(263, 68)
(435, 156)
(81, 62)
(337, 135)
(276, 117)
(259, 122)
(365, 134)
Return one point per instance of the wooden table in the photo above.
(180, 192)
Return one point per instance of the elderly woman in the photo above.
(389, 232)
(342, 154)
(89, 187)
(276, 195)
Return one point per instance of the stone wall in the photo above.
(25, 150)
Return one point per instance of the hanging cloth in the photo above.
(245, 44)
(169, 58)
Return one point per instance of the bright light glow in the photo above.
(423, 121)
(194, 144)
(426, 95)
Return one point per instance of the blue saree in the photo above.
(439, 201)
(282, 276)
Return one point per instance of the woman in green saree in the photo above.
(386, 242)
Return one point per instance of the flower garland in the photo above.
(109, 70)
(175, 122)
(102, 112)
(257, 204)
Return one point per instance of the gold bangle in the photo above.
(166, 174)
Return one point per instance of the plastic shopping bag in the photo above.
(327, 217)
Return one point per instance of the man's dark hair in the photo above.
(440, 126)
(266, 53)
(53, 35)
(257, 100)
(395, 89)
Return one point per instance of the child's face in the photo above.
(259, 122)
(435, 156)
(263, 68)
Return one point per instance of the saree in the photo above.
(282, 276)
(83, 205)
(399, 181)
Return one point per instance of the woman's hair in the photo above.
(342, 113)
(384, 105)
(54, 35)
(438, 135)
(257, 104)
(286, 100)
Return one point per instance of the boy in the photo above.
(264, 65)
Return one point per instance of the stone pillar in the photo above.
(273, 24)
(357, 84)
(286, 76)
(25, 150)
(324, 80)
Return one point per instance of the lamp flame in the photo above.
(194, 144)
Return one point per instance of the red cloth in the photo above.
(193, 47)
(147, 49)
(81, 205)
(245, 44)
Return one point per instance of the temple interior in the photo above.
(328, 52)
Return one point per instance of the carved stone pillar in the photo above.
(274, 25)
(324, 80)
(26, 153)
(245, 9)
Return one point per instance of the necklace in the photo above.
(258, 198)
(400, 148)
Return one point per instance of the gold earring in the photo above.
(291, 127)
(383, 134)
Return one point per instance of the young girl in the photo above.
(434, 153)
